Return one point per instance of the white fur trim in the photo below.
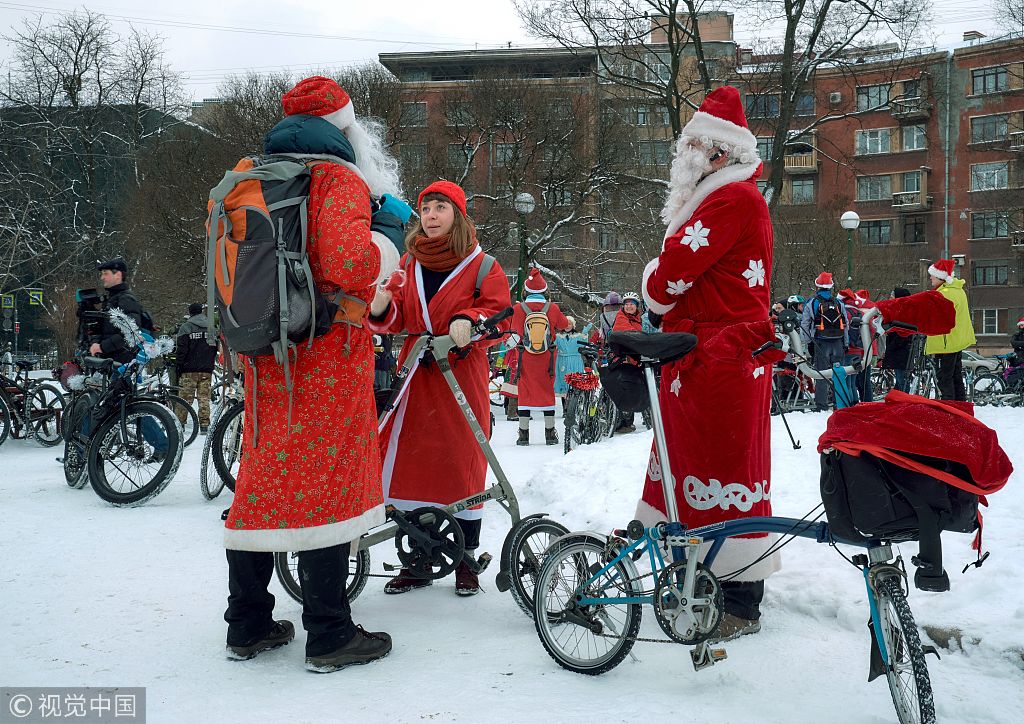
(389, 255)
(714, 181)
(382, 326)
(653, 305)
(276, 540)
(719, 129)
(346, 116)
(938, 273)
(735, 553)
(824, 286)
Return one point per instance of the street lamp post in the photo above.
(524, 204)
(849, 221)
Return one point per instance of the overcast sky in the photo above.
(207, 40)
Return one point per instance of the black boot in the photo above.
(524, 437)
(282, 633)
(364, 647)
(550, 436)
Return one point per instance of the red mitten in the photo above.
(929, 311)
(395, 282)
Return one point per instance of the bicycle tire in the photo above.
(44, 408)
(526, 556)
(229, 427)
(986, 388)
(209, 491)
(286, 566)
(76, 474)
(6, 419)
(107, 436)
(582, 552)
(190, 429)
(906, 669)
(569, 414)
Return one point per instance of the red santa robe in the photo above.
(711, 279)
(428, 452)
(536, 373)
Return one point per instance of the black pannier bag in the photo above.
(868, 498)
(625, 384)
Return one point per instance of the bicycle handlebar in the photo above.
(796, 345)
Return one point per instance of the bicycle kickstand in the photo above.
(704, 656)
(782, 413)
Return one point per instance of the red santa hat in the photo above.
(535, 283)
(864, 295)
(824, 281)
(721, 118)
(847, 295)
(1020, 323)
(942, 269)
(447, 189)
(320, 96)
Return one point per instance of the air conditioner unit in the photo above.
(1017, 239)
(835, 98)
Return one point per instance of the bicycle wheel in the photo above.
(210, 483)
(6, 419)
(571, 436)
(125, 467)
(592, 638)
(75, 472)
(44, 407)
(227, 444)
(905, 667)
(286, 565)
(526, 556)
(986, 388)
(190, 424)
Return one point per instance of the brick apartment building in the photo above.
(927, 147)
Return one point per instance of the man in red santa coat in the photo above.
(711, 279)
(536, 372)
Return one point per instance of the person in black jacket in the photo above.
(898, 343)
(108, 340)
(194, 364)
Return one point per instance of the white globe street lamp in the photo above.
(849, 221)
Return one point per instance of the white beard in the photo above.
(689, 166)
(378, 167)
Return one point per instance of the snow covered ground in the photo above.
(93, 595)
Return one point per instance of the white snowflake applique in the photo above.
(696, 236)
(758, 371)
(755, 273)
(676, 386)
(678, 287)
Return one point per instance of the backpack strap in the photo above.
(485, 268)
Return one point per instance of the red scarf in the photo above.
(435, 253)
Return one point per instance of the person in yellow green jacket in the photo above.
(947, 347)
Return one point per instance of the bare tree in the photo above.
(1010, 14)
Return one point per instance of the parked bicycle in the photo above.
(155, 387)
(589, 413)
(225, 435)
(29, 408)
(589, 592)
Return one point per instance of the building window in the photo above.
(989, 128)
(561, 109)
(655, 153)
(912, 181)
(458, 156)
(414, 114)
(875, 141)
(991, 272)
(605, 239)
(874, 188)
(506, 154)
(913, 138)
(457, 113)
(659, 67)
(651, 115)
(911, 89)
(914, 230)
(765, 145)
(989, 80)
(872, 97)
(990, 225)
(876, 232)
(560, 196)
(804, 105)
(762, 106)
(989, 321)
(803, 191)
(413, 156)
(990, 176)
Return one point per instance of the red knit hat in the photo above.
(942, 269)
(721, 118)
(319, 96)
(824, 281)
(535, 283)
(448, 189)
(1020, 322)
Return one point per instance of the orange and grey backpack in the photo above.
(536, 329)
(257, 269)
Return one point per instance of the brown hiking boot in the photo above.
(524, 437)
(732, 627)
(466, 582)
(281, 634)
(364, 647)
(406, 581)
(550, 436)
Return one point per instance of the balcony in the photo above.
(910, 109)
(1017, 141)
(801, 162)
(911, 200)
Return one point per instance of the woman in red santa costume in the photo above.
(537, 357)
(711, 279)
(428, 451)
